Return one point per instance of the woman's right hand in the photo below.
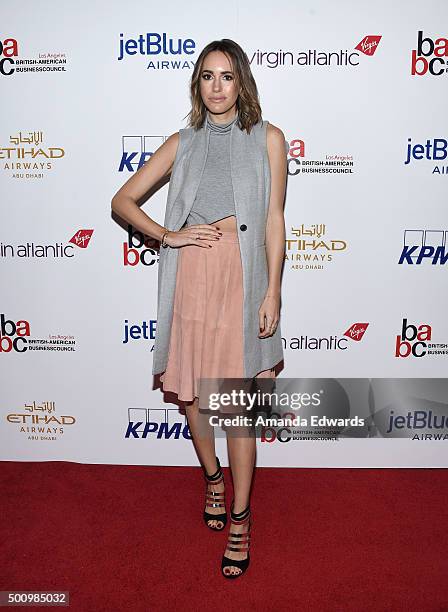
(201, 235)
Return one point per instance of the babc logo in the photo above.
(139, 249)
(430, 56)
(413, 340)
(8, 50)
(13, 336)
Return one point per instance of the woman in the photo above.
(220, 263)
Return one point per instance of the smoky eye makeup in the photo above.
(209, 74)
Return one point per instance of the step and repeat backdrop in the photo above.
(91, 89)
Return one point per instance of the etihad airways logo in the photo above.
(309, 247)
(27, 156)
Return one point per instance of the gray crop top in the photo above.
(214, 198)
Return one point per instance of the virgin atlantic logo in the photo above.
(368, 44)
(47, 250)
(356, 331)
(82, 238)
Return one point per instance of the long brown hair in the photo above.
(247, 104)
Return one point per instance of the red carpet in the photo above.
(131, 538)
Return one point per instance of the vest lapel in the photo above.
(193, 169)
(238, 142)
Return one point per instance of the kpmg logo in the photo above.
(157, 423)
(424, 247)
(162, 50)
(136, 150)
(431, 56)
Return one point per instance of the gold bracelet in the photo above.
(162, 242)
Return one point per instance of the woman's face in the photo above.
(218, 84)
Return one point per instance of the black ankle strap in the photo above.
(217, 474)
(238, 516)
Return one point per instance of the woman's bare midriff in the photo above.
(228, 223)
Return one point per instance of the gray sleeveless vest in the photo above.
(251, 181)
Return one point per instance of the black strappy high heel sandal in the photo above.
(238, 542)
(214, 499)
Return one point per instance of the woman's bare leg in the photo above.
(242, 453)
(205, 449)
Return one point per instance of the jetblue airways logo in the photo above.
(141, 331)
(424, 245)
(432, 150)
(160, 48)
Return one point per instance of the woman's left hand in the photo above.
(268, 315)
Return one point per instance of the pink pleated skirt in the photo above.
(206, 338)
